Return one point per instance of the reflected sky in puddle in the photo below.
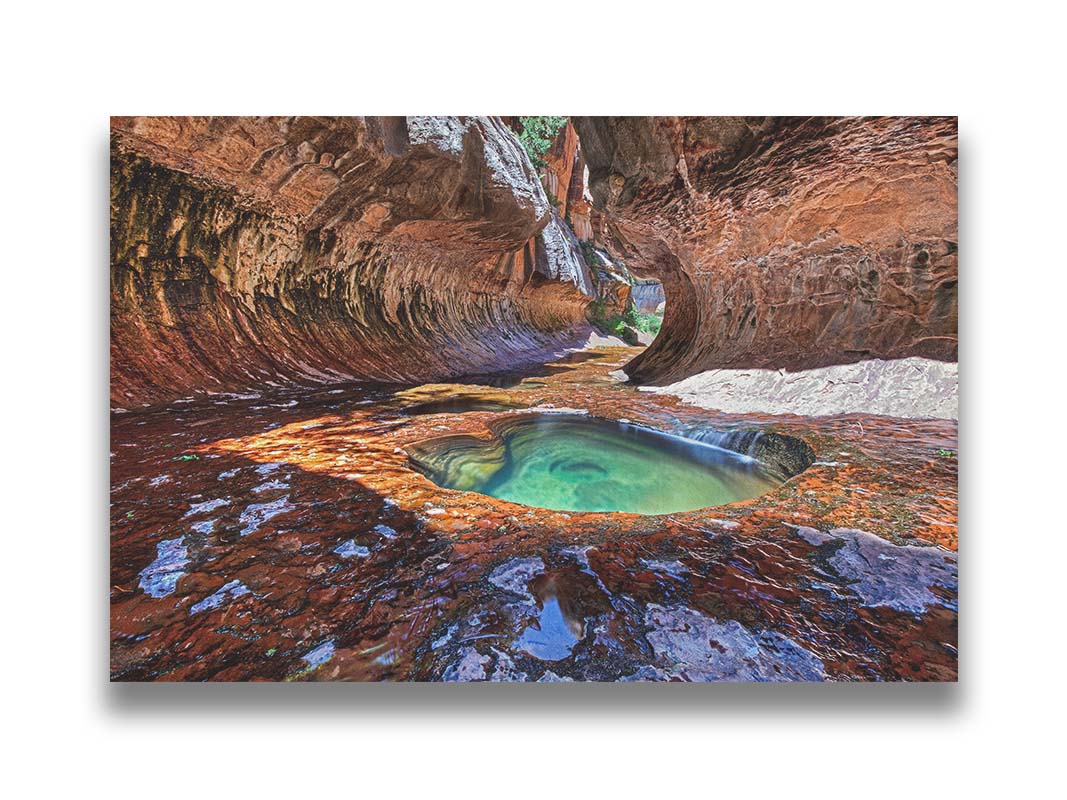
(566, 599)
(556, 638)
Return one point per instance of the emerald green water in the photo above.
(572, 462)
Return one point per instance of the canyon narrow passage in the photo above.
(533, 399)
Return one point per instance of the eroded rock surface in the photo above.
(333, 559)
(247, 252)
(907, 387)
(266, 525)
(782, 242)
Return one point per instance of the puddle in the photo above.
(569, 462)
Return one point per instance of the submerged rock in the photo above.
(831, 576)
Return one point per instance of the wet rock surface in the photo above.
(283, 535)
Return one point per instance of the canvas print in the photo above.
(543, 399)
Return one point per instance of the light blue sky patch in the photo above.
(258, 513)
(207, 526)
(207, 505)
(349, 548)
(320, 655)
(160, 578)
(225, 594)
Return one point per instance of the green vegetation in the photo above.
(591, 257)
(648, 323)
(946, 453)
(623, 325)
(609, 324)
(537, 136)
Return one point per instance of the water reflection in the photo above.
(566, 599)
(552, 637)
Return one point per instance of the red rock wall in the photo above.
(782, 242)
(257, 251)
(565, 181)
(560, 161)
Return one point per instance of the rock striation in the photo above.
(262, 251)
(785, 243)
(288, 537)
(258, 251)
(916, 388)
(648, 297)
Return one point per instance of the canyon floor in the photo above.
(285, 536)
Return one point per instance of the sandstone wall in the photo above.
(251, 251)
(560, 162)
(648, 297)
(782, 242)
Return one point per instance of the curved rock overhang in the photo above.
(782, 242)
(262, 251)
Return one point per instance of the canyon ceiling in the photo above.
(262, 251)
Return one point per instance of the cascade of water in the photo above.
(739, 441)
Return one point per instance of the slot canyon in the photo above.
(386, 393)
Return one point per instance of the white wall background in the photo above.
(66, 69)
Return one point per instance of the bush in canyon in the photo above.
(589, 253)
(648, 323)
(537, 136)
(625, 325)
